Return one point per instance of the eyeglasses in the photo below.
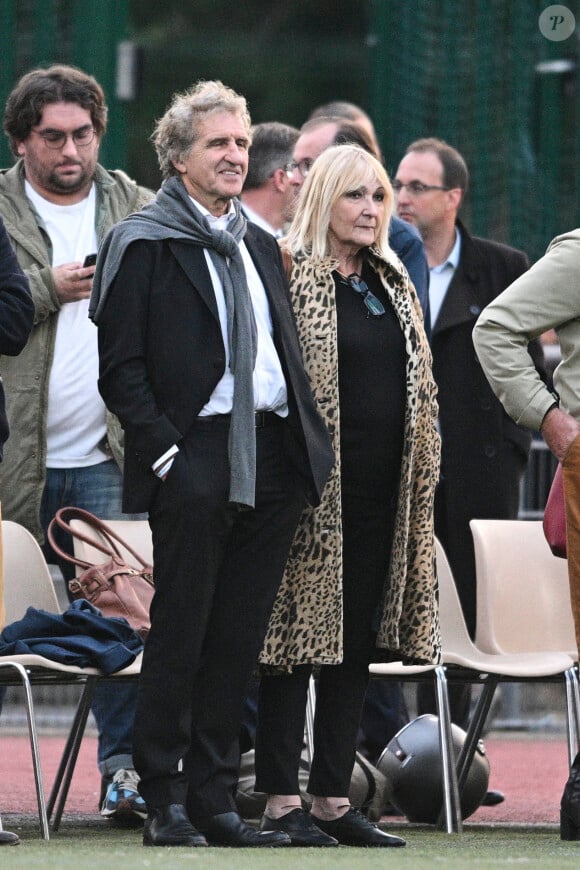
(303, 167)
(415, 188)
(374, 305)
(57, 139)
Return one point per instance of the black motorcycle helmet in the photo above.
(411, 764)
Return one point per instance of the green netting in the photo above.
(467, 71)
(80, 32)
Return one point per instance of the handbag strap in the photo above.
(63, 517)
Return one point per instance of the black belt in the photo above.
(265, 418)
(261, 418)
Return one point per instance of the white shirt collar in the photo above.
(452, 260)
(220, 222)
(259, 220)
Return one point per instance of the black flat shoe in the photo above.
(569, 827)
(229, 829)
(493, 798)
(300, 828)
(170, 826)
(7, 838)
(570, 805)
(354, 829)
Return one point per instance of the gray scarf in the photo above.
(172, 215)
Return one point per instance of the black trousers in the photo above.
(217, 571)
(367, 539)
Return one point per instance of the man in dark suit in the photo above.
(484, 454)
(200, 361)
(268, 198)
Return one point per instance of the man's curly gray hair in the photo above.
(177, 130)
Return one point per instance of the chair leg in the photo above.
(452, 808)
(576, 704)
(475, 729)
(572, 713)
(309, 721)
(70, 754)
(33, 736)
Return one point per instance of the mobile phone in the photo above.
(90, 260)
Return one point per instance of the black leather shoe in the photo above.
(229, 829)
(170, 826)
(300, 828)
(493, 798)
(354, 829)
(7, 838)
(570, 805)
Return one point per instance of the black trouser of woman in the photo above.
(367, 538)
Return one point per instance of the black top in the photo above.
(372, 387)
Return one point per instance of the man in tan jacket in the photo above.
(546, 297)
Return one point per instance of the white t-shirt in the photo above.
(76, 413)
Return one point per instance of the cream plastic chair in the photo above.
(517, 576)
(464, 662)
(27, 583)
(523, 597)
(27, 580)
(400, 672)
(137, 533)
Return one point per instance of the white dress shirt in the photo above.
(270, 392)
(440, 279)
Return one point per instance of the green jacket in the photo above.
(26, 377)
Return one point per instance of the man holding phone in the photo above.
(57, 203)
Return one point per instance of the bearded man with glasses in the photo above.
(484, 453)
(57, 203)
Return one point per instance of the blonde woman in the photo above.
(359, 584)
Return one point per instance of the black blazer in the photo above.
(473, 422)
(16, 314)
(161, 355)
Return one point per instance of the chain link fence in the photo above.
(482, 75)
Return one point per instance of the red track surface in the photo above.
(530, 770)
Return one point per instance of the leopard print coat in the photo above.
(306, 622)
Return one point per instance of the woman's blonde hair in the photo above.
(334, 172)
